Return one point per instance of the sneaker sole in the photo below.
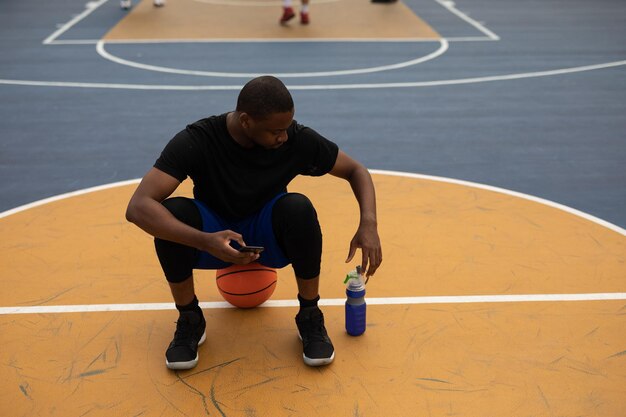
(319, 361)
(186, 365)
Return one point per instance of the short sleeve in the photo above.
(320, 153)
(178, 157)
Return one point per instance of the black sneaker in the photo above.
(190, 333)
(317, 348)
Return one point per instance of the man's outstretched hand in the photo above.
(366, 238)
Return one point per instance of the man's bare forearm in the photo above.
(153, 218)
(363, 189)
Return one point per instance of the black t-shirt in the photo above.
(235, 181)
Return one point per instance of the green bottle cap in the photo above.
(358, 272)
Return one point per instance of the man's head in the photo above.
(265, 111)
(264, 96)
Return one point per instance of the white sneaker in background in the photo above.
(125, 4)
(159, 3)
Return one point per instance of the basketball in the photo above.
(246, 286)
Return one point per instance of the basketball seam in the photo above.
(248, 293)
(247, 270)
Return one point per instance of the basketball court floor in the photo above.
(495, 134)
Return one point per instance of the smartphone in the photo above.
(253, 249)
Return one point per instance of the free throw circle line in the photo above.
(100, 48)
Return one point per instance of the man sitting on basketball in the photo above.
(241, 163)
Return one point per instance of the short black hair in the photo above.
(263, 96)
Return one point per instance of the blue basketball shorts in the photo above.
(256, 230)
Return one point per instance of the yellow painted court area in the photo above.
(209, 20)
(475, 359)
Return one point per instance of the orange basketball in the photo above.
(246, 286)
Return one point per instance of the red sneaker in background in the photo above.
(288, 14)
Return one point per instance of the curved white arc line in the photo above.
(67, 195)
(416, 84)
(517, 194)
(443, 47)
(528, 197)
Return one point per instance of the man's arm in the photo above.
(146, 211)
(366, 236)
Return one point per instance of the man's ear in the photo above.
(244, 119)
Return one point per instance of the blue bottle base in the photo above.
(355, 319)
(353, 333)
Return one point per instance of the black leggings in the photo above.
(295, 225)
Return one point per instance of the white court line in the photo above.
(100, 48)
(270, 40)
(373, 301)
(363, 86)
(449, 5)
(267, 3)
(470, 39)
(273, 40)
(517, 194)
(67, 195)
(443, 47)
(89, 8)
(460, 299)
(74, 42)
(92, 6)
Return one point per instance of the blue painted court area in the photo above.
(525, 95)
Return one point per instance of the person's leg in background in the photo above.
(288, 12)
(127, 4)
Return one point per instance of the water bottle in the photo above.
(355, 303)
